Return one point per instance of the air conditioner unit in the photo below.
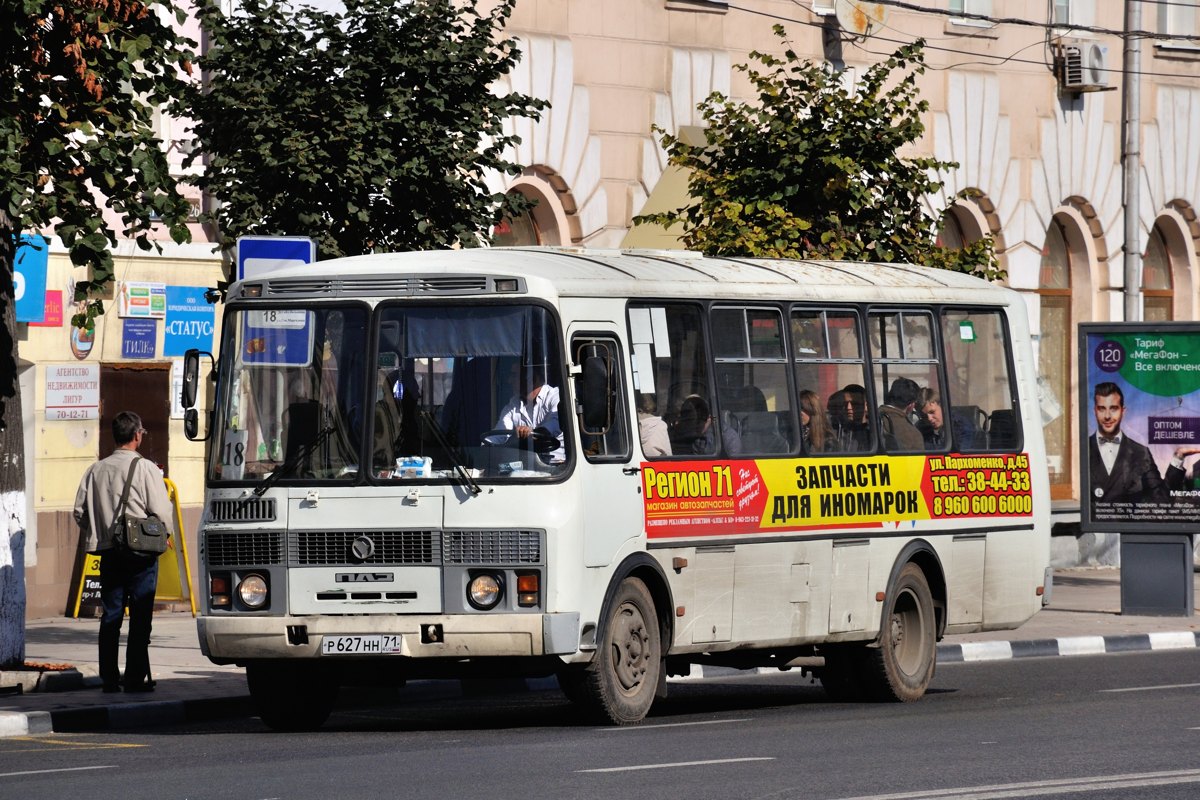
(1083, 67)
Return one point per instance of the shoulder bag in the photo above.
(147, 536)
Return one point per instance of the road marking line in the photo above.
(49, 771)
(676, 764)
(1151, 688)
(673, 725)
(1048, 787)
(77, 745)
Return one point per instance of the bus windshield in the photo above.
(427, 392)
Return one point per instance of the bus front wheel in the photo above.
(902, 666)
(620, 684)
(291, 696)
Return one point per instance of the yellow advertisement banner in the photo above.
(705, 498)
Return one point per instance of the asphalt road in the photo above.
(1116, 726)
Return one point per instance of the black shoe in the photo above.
(111, 688)
(147, 686)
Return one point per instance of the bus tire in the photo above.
(902, 665)
(619, 685)
(292, 696)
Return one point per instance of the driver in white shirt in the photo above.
(534, 404)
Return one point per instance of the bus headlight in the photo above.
(484, 591)
(252, 591)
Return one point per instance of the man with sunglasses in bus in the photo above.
(534, 404)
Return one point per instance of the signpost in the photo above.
(1139, 400)
(280, 338)
(259, 254)
(29, 277)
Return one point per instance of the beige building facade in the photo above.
(74, 382)
(1026, 96)
(1042, 163)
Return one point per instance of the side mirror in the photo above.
(191, 376)
(596, 395)
(187, 395)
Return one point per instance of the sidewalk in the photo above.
(1083, 618)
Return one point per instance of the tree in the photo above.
(813, 169)
(369, 129)
(79, 84)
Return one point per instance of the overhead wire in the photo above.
(982, 59)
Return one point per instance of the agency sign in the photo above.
(1140, 426)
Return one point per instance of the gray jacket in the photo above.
(100, 493)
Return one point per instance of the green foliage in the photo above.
(812, 169)
(80, 86)
(366, 130)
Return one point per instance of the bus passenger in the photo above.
(695, 430)
(848, 419)
(932, 422)
(656, 440)
(814, 425)
(897, 429)
(534, 404)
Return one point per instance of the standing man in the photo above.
(1122, 470)
(127, 579)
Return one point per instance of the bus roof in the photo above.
(585, 272)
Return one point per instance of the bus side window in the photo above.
(983, 399)
(671, 380)
(753, 396)
(828, 364)
(907, 378)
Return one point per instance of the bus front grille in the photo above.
(348, 548)
(493, 547)
(250, 509)
(329, 548)
(243, 548)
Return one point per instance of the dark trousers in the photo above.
(126, 580)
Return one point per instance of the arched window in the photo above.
(1158, 289)
(951, 236)
(1054, 355)
(517, 231)
(552, 219)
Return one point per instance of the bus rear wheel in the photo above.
(291, 696)
(620, 684)
(902, 666)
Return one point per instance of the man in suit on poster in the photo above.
(1121, 469)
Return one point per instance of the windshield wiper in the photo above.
(451, 452)
(302, 452)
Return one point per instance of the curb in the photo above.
(1066, 646)
(123, 716)
(24, 723)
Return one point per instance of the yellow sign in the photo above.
(174, 572)
(706, 498)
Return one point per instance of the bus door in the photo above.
(611, 498)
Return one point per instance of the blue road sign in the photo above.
(259, 254)
(29, 277)
(275, 337)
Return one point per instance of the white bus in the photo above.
(609, 466)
